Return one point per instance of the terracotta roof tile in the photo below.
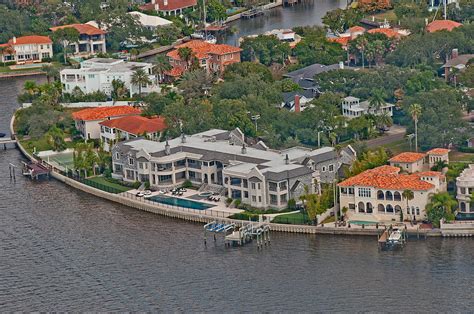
(390, 33)
(439, 25)
(438, 151)
(355, 29)
(171, 5)
(100, 113)
(387, 177)
(136, 125)
(175, 72)
(429, 174)
(33, 39)
(82, 29)
(344, 41)
(407, 157)
(202, 49)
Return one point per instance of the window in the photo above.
(323, 169)
(259, 199)
(254, 198)
(351, 191)
(246, 194)
(258, 186)
(253, 186)
(344, 191)
(131, 162)
(272, 186)
(117, 155)
(91, 76)
(352, 206)
(283, 198)
(331, 168)
(235, 181)
(246, 184)
(283, 186)
(273, 199)
(364, 192)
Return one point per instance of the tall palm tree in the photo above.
(140, 78)
(186, 54)
(408, 195)
(162, 64)
(377, 99)
(443, 203)
(415, 112)
(50, 71)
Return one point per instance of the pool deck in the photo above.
(188, 195)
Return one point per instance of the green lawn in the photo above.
(102, 181)
(398, 147)
(294, 219)
(389, 15)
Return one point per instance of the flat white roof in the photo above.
(150, 20)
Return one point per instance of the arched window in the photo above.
(418, 211)
(389, 208)
(381, 208)
(389, 196)
(398, 209)
(369, 208)
(361, 207)
(397, 196)
(463, 207)
(380, 195)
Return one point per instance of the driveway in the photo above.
(396, 133)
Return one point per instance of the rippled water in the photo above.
(308, 12)
(65, 250)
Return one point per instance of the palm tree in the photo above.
(162, 64)
(140, 78)
(377, 99)
(408, 195)
(415, 112)
(440, 165)
(186, 54)
(118, 89)
(383, 120)
(441, 206)
(30, 87)
(50, 71)
(6, 50)
(134, 53)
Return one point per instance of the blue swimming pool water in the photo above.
(180, 202)
(362, 222)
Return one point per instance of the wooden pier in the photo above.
(35, 170)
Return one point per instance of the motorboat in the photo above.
(395, 237)
(139, 194)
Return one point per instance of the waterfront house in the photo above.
(27, 49)
(87, 120)
(97, 74)
(128, 127)
(436, 155)
(169, 7)
(409, 162)
(377, 194)
(352, 107)
(91, 39)
(224, 161)
(214, 58)
(456, 63)
(465, 189)
(439, 25)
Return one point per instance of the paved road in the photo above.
(395, 134)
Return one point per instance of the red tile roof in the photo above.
(439, 25)
(203, 49)
(429, 174)
(344, 41)
(355, 29)
(101, 113)
(136, 125)
(387, 177)
(171, 5)
(407, 157)
(390, 33)
(33, 39)
(175, 72)
(82, 29)
(438, 151)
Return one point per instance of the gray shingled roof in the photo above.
(283, 175)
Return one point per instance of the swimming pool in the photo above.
(362, 222)
(168, 200)
(27, 66)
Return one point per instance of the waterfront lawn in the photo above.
(103, 181)
(294, 219)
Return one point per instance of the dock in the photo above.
(35, 170)
(253, 13)
(392, 238)
(6, 141)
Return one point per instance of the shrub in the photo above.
(228, 201)
(187, 184)
(47, 59)
(466, 149)
(136, 184)
(147, 185)
(237, 203)
(10, 63)
(291, 204)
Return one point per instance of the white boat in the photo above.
(395, 237)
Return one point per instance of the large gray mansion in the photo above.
(223, 159)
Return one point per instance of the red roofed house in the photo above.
(436, 155)
(129, 127)
(87, 120)
(91, 39)
(377, 194)
(439, 25)
(169, 7)
(409, 162)
(26, 49)
(212, 57)
(389, 32)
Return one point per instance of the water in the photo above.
(308, 12)
(180, 202)
(65, 250)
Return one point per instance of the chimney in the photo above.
(244, 149)
(167, 148)
(454, 53)
(14, 40)
(297, 103)
(183, 138)
(341, 65)
(287, 160)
